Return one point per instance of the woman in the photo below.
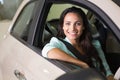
(74, 28)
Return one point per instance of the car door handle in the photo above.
(19, 75)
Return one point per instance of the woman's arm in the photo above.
(58, 54)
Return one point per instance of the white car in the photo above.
(35, 23)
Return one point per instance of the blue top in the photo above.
(56, 43)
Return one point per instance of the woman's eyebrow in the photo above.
(67, 21)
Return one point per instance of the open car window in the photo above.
(100, 31)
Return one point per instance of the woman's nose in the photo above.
(73, 27)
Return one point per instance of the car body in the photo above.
(20, 50)
(3, 30)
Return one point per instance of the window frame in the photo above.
(84, 3)
(17, 20)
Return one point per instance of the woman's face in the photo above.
(73, 26)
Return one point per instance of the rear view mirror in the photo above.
(84, 74)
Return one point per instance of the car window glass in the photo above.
(21, 27)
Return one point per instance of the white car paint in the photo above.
(112, 11)
(117, 74)
(28, 62)
(4, 26)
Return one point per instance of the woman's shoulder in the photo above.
(54, 39)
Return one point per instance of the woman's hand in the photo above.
(84, 65)
(110, 77)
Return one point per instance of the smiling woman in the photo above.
(99, 29)
(73, 28)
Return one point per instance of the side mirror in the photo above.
(84, 74)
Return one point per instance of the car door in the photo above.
(18, 58)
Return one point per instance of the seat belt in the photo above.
(77, 54)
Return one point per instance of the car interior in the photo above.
(99, 32)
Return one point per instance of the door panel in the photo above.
(27, 62)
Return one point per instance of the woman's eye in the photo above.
(67, 24)
(78, 24)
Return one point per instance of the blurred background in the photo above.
(8, 9)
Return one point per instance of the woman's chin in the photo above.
(72, 38)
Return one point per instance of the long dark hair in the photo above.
(85, 39)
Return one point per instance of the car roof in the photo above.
(110, 8)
